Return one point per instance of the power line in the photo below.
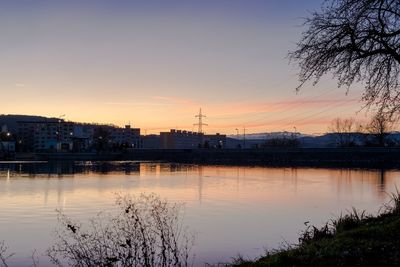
(315, 114)
(304, 118)
(299, 102)
(302, 102)
(298, 118)
(307, 118)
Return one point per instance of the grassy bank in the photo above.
(351, 240)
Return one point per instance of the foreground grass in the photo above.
(351, 240)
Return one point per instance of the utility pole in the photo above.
(237, 138)
(200, 123)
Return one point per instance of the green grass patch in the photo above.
(354, 239)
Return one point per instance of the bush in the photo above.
(147, 231)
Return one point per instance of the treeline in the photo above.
(347, 132)
(376, 132)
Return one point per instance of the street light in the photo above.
(59, 131)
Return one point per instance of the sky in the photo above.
(155, 63)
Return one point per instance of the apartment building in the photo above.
(48, 135)
(127, 136)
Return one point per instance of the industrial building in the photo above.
(177, 139)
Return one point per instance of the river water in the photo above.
(232, 210)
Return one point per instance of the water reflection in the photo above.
(63, 168)
(200, 176)
(70, 168)
(233, 209)
(346, 179)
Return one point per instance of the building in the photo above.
(177, 139)
(214, 141)
(59, 135)
(126, 137)
(151, 141)
(49, 135)
(82, 138)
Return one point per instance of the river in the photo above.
(232, 210)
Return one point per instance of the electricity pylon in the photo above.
(200, 123)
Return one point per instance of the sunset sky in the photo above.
(154, 63)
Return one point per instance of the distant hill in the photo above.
(308, 141)
(264, 136)
(11, 120)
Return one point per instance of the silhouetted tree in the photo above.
(4, 254)
(344, 130)
(358, 41)
(380, 126)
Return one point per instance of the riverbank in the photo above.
(351, 240)
(358, 157)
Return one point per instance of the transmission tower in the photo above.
(200, 123)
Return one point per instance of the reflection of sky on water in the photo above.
(232, 209)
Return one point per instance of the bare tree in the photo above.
(344, 131)
(357, 41)
(380, 126)
(147, 231)
(4, 255)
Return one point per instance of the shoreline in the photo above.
(372, 158)
(352, 239)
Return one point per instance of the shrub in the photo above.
(147, 231)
